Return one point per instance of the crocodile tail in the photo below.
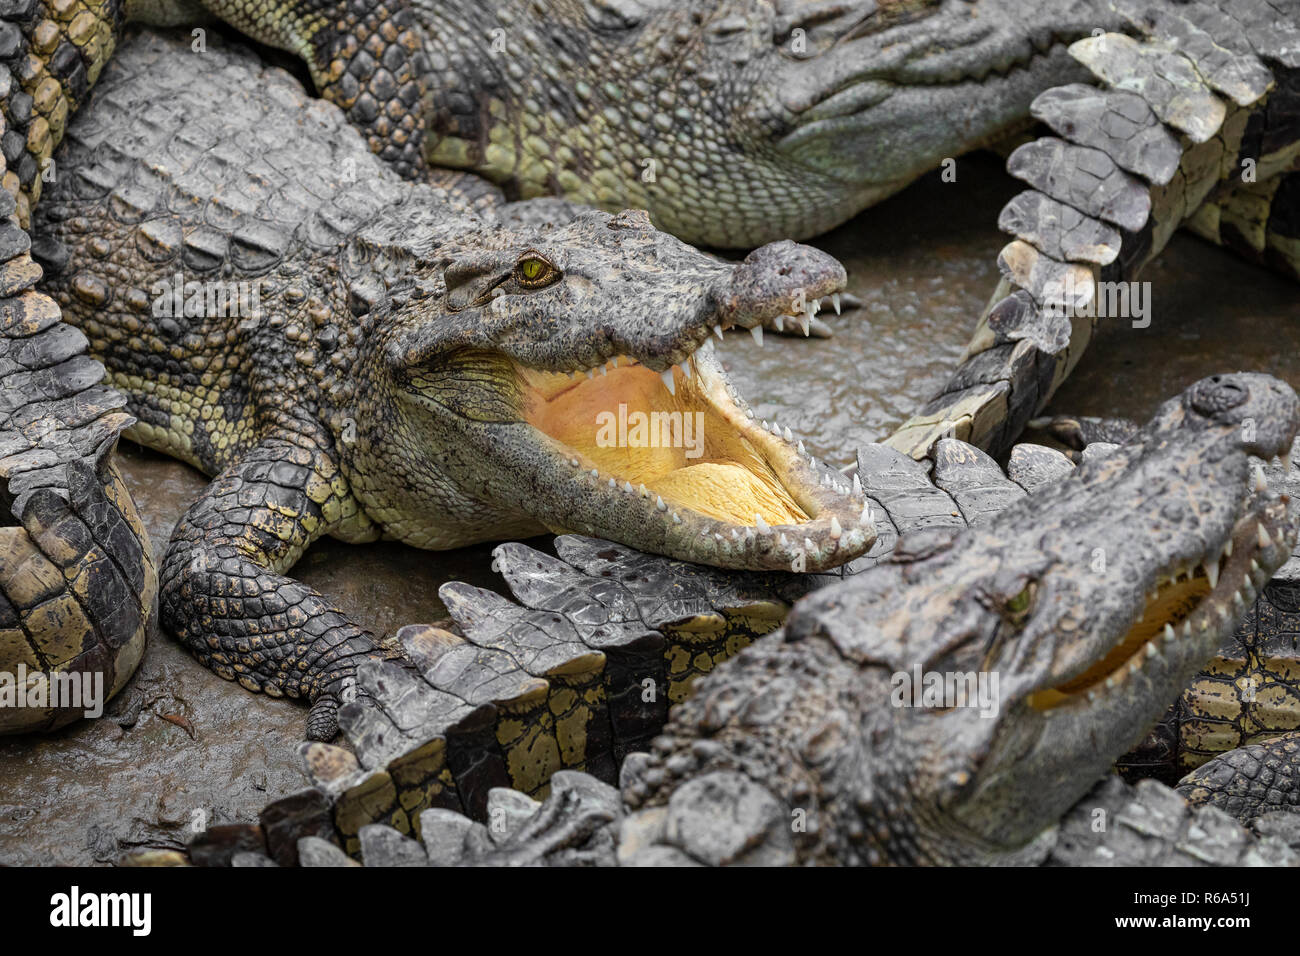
(78, 583)
(1205, 94)
(528, 697)
(1259, 221)
(51, 54)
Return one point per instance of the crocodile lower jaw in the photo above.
(677, 449)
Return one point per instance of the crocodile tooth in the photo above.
(787, 434)
(760, 524)
(805, 323)
(591, 373)
(614, 361)
(783, 541)
(627, 487)
(749, 413)
(667, 376)
(865, 517)
(1264, 540)
(1227, 549)
(1261, 483)
(659, 503)
(1110, 682)
(717, 330)
(595, 473)
(1212, 573)
(1254, 566)
(735, 534)
(857, 486)
(1092, 695)
(757, 332)
(1169, 633)
(1238, 602)
(604, 369)
(1248, 589)
(676, 518)
(574, 462)
(836, 530)
(1151, 650)
(814, 307)
(1187, 629)
(779, 322)
(644, 492)
(799, 447)
(809, 546)
(835, 301)
(612, 484)
(764, 424)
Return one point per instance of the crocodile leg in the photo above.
(1077, 432)
(223, 592)
(1178, 115)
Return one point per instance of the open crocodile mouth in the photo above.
(678, 448)
(1187, 606)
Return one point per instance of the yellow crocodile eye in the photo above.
(1019, 605)
(533, 272)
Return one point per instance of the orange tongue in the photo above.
(731, 493)
(628, 425)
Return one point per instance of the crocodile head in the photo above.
(735, 122)
(952, 704)
(564, 379)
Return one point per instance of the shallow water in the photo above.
(924, 264)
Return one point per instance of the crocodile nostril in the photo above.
(1217, 394)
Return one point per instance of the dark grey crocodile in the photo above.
(355, 355)
(802, 726)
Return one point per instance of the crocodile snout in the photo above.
(1267, 409)
(779, 278)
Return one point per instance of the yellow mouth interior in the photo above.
(1174, 602)
(681, 447)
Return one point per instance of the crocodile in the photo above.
(733, 122)
(353, 354)
(1192, 122)
(799, 748)
(77, 572)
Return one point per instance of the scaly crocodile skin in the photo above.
(1209, 97)
(77, 578)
